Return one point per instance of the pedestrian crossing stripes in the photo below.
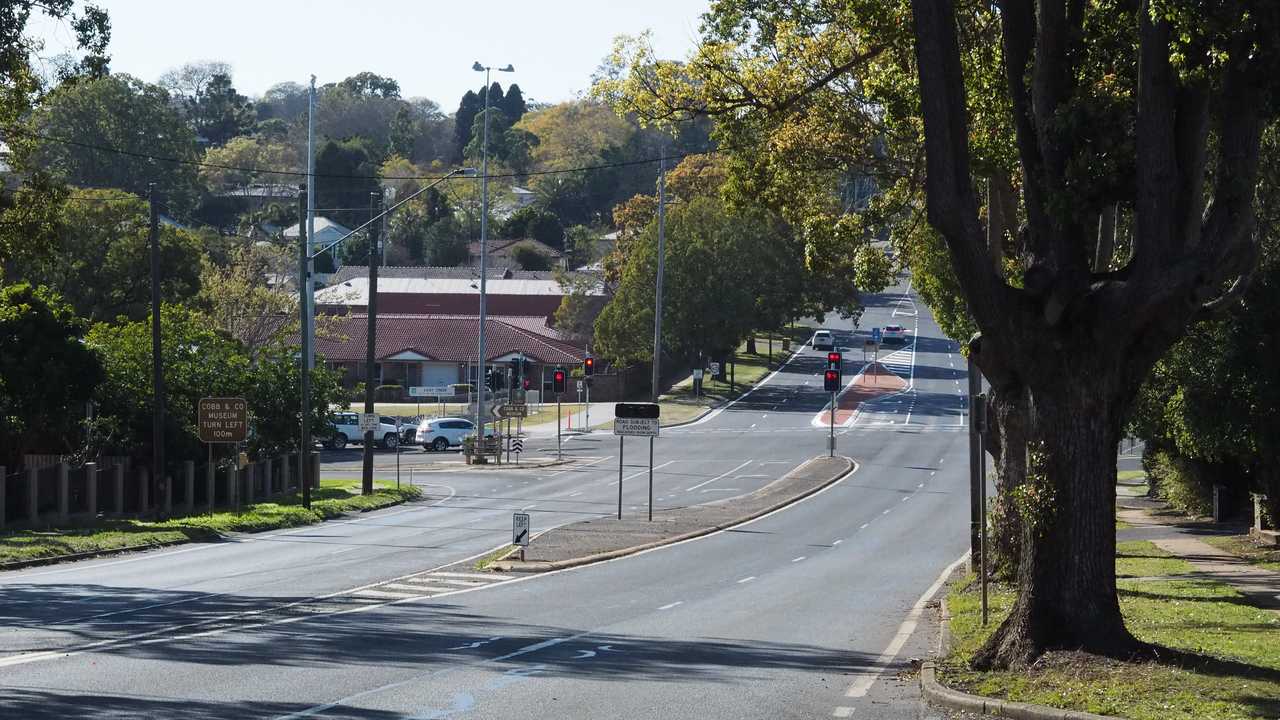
(900, 362)
(429, 584)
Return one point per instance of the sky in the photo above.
(428, 46)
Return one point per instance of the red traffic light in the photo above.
(588, 366)
(831, 380)
(559, 376)
(833, 359)
(557, 380)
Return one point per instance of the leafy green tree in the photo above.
(219, 113)
(275, 399)
(371, 84)
(97, 254)
(445, 244)
(513, 104)
(346, 175)
(528, 257)
(409, 227)
(463, 120)
(286, 101)
(46, 373)
(199, 361)
(79, 125)
(579, 246)
(534, 223)
(1172, 138)
(19, 81)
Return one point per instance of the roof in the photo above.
(442, 338)
(355, 290)
(326, 230)
(348, 272)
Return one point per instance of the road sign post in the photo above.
(636, 419)
(520, 528)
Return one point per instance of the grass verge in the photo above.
(1224, 664)
(1244, 547)
(332, 499)
(493, 557)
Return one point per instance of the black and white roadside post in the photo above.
(557, 386)
(639, 419)
(520, 529)
(831, 383)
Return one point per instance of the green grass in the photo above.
(484, 562)
(1243, 546)
(1230, 669)
(1139, 558)
(1129, 476)
(332, 499)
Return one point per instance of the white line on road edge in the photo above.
(842, 712)
(795, 560)
(668, 606)
(708, 482)
(905, 630)
(747, 579)
(578, 467)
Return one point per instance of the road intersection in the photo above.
(805, 612)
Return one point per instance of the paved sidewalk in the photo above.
(1181, 537)
(591, 538)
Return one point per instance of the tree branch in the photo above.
(952, 207)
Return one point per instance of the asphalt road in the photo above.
(808, 612)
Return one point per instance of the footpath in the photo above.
(601, 539)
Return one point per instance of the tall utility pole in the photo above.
(484, 255)
(657, 297)
(157, 364)
(370, 355)
(304, 362)
(310, 318)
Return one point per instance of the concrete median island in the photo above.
(590, 541)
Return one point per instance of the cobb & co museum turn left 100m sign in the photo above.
(223, 420)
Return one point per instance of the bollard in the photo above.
(284, 473)
(315, 470)
(91, 488)
(144, 491)
(3, 487)
(266, 478)
(33, 496)
(233, 498)
(117, 480)
(250, 479)
(189, 474)
(167, 489)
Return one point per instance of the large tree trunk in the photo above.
(1066, 576)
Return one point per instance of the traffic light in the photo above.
(557, 381)
(588, 366)
(831, 381)
(833, 360)
(525, 382)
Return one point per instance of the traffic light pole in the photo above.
(831, 445)
(559, 455)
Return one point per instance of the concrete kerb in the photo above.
(938, 694)
(537, 567)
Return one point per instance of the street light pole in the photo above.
(657, 301)
(371, 356)
(484, 257)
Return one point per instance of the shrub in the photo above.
(1186, 484)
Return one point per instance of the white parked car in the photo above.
(823, 340)
(443, 433)
(346, 429)
(894, 334)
